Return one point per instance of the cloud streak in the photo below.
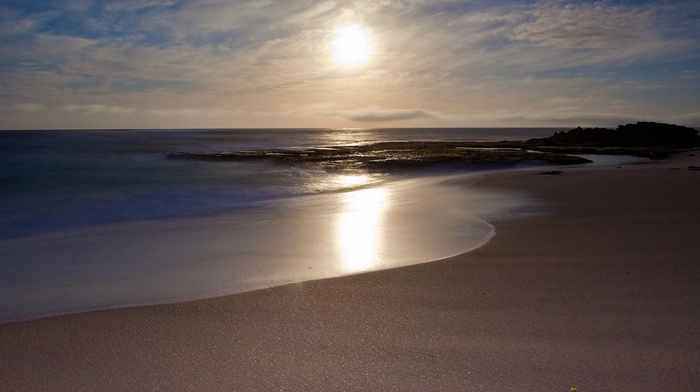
(383, 115)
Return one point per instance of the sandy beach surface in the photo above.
(601, 293)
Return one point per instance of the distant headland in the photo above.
(641, 134)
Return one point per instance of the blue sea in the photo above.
(94, 219)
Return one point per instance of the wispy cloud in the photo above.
(588, 26)
(382, 115)
(96, 109)
(29, 107)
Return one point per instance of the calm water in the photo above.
(58, 179)
(100, 219)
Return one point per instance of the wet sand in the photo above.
(600, 293)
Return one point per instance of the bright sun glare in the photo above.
(352, 45)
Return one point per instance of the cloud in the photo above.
(13, 25)
(95, 109)
(559, 118)
(29, 107)
(687, 119)
(590, 26)
(382, 115)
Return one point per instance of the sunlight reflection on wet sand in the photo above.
(360, 230)
(367, 227)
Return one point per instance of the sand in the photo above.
(600, 293)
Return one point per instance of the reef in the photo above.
(385, 156)
(653, 140)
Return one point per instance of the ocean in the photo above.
(100, 219)
(59, 179)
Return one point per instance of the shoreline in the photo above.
(400, 222)
(600, 294)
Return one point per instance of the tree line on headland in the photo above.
(641, 134)
(650, 139)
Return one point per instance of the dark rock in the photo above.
(641, 134)
(392, 156)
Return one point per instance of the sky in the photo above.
(246, 64)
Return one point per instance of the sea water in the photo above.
(101, 219)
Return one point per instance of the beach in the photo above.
(600, 292)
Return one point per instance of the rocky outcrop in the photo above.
(392, 156)
(645, 139)
(641, 134)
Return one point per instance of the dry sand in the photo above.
(601, 294)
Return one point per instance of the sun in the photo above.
(352, 45)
